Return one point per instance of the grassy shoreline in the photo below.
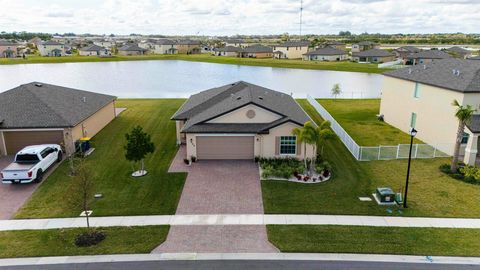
(278, 63)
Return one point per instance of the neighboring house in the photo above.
(425, 57)
(228, 51)
(165, 46)
(240, 121)
(94, 50)
(421, 97)
(147, 44)
(38, 113)
(257, 51)
(291, 49)
(235, 43)
(188, 46)
(459, 52)
(364, 46)
(36, 41)
(105, 43)
(335, 44)
(131, 49)
(8, 49)
(326, 54)
(373, 56)
(51, 48)
(405, 51)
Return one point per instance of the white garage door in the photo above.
(225, 147)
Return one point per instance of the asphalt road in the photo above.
(242, 265)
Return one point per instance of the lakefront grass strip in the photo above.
(381, 240)
(61, 242)
(156, 193)
(279, 63)
(431, 193)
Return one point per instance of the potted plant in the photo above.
(186, 161)
(193, 158)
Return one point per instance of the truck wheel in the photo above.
(59, 156)
(39, 176)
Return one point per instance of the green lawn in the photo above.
(431, 193)
(61, 242)
(280, 63)
(156, 193)
(383, 240)
(358, 118)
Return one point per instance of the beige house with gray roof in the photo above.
(421, 97)
(291, 49)
(240, 121)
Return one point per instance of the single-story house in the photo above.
(38, 113)
(364, 46)
(257, 51)
(425, 57)
(94, 50)
(131, 49)
(373, 56)
(240, 121)
(51, 48)
(188, 46)
(228, 51)
(405, 51)
(335, 44)
(326, 54)
(421, 96)
(8, 49)
(291, 49)
(165, 46)
(459, 52)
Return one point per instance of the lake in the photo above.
(174, 78)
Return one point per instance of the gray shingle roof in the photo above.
(92, 48)
(411, 49)
(457, 49)
(440, 73)
(326, 51)
(188, 42)
(229, 49)
(373, 53)
(474, 58)
(48, 106)
(474, 124)
(257, 48)
(4, 42)
(51, 42)
(165, 41)
(430, 54)
(293, 43)
(209, 104)
(131, 47)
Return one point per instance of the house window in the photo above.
(416, 93)
(413, 120)
(288, 145)
(465, 138)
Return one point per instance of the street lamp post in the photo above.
(412, 132)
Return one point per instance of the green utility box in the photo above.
(385, 195)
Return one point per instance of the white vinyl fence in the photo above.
(382, 152)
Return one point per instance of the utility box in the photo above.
(84, 144)
(385, 195)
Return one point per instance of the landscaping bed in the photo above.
(293, 170)
(61, 242)
(467, 174)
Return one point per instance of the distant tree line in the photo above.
(24, 35)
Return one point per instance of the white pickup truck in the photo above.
(31, 163)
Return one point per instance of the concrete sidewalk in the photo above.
(377, 221)
(242, 257)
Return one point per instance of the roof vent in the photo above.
(238, 98)
(84, 99)
(409, 71)
(424, 66)
(458, 72)
(454, 71)
(38, 85)
(260, 97)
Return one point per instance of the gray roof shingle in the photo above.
(229, 49)
(474, 124)
(456, 49)
(474, 58)
(40, 105)
(440, 73)
(131, 47)
(411, 49)
(165, 41)
(209, 104)
(373, 53)
(257, 48)
(293, 43)
(4, 42)
(326, 51)
(430, 54)
(93, 48)
(51, 42)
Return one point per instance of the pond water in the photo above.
(175, 79)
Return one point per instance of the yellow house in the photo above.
(421, 96)
(291, 49)
(240, 121)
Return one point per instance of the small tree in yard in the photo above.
(464, 115)
(139, 144)
(336, 90)
(305, 135)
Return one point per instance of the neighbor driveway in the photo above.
(12, 197)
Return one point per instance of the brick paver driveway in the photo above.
(12, 197)
(218, 187)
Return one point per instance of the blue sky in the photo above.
(230, 17)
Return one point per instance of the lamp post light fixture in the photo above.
(412, 133)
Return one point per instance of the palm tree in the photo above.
(325, 133)
(464, 115)
(305, 135)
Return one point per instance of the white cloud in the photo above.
(231, 17)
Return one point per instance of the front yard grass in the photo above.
(156, 193)
(268, 62)
(61, 242)
(382, 240)
(358, 118)
(431, 193)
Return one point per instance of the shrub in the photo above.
(89, 238)
(467, 174)
(280, 167)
